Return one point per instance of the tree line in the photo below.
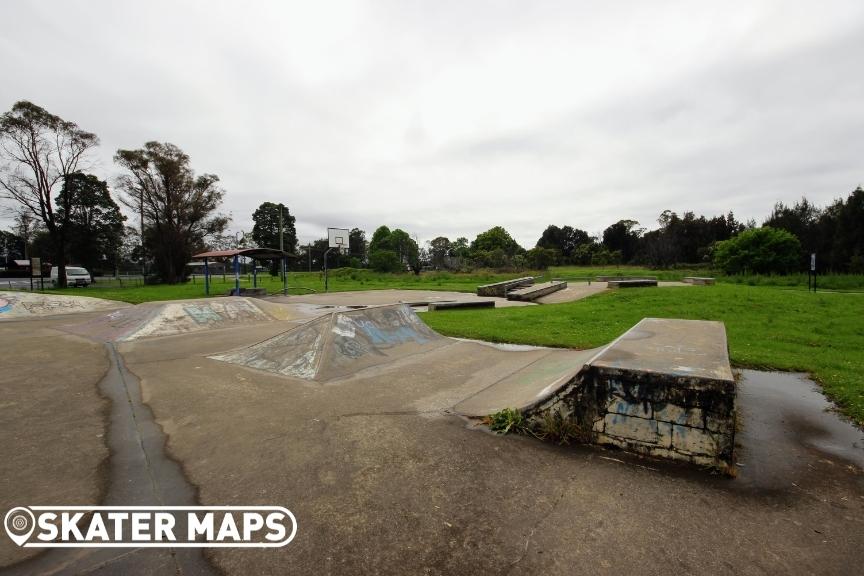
(65, 214)
(782, 244)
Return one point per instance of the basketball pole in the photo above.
(326, 284)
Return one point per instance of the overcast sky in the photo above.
(447, 118)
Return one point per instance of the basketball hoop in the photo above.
(338, 238)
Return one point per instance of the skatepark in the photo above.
(369, 425)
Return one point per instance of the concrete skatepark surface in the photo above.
(34, 304)
(382, 297)
(167, 318)
(577, 290)
(384, 477)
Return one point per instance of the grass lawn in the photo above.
(341, 280)
(768, 328)
(849, 282)
(344, 279)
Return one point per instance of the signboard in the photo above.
(813, 262)
(36, 267)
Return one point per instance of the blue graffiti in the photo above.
(390, 336)
(202, 314)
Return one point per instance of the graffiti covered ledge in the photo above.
(664, 388)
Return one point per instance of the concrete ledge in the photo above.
(463, 304)
(664, 388)
(631, 283)
(500, 289)
(536, 291)
(616, 278)
(698, 281)
(419, 303)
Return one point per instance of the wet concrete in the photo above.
(384, 479)
(389, 296)
(141, 474)
(789, 432)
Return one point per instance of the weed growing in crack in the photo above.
(558, 429)
(506, 420)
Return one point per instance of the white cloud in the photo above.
(451, 117)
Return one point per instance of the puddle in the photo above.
(505, 346)
(788, 429)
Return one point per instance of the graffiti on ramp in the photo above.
(340, 344)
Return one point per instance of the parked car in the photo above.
(74, 276)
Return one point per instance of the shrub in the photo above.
(385, 261)
(763, 250)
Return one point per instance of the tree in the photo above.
(540, 258)
(385, 261)
(802, 220)
(623, 236)
(565, 240)
(357, 245)
(380, 240)
(95, 224)
(399, 243)
(265, 232)
(179, 208)
(848, 243)
(496, 238)
(26, 227)
(688, 239)
(12, 247)
(39, 150)
(763, 250)
(460, 248)
(439, 252)
(130, 248)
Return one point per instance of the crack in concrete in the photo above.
(534, 528)
(141, 473)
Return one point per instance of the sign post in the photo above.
(36, 272)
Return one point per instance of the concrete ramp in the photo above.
(169, 318)
(528, 386)
(36, 305)
(340, 344)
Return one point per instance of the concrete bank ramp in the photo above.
(340, 344)
(178, 317)
(528, 386)
(37, 305)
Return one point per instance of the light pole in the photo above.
(238, 237)
(281, 239)
(143, 254)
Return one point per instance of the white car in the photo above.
(74, 276)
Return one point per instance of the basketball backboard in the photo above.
(338, 238)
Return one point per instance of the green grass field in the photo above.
(842, 282)
(341, 280)
(345, 279)
(768, 328)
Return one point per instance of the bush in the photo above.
(385, 261)
(763, 250)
